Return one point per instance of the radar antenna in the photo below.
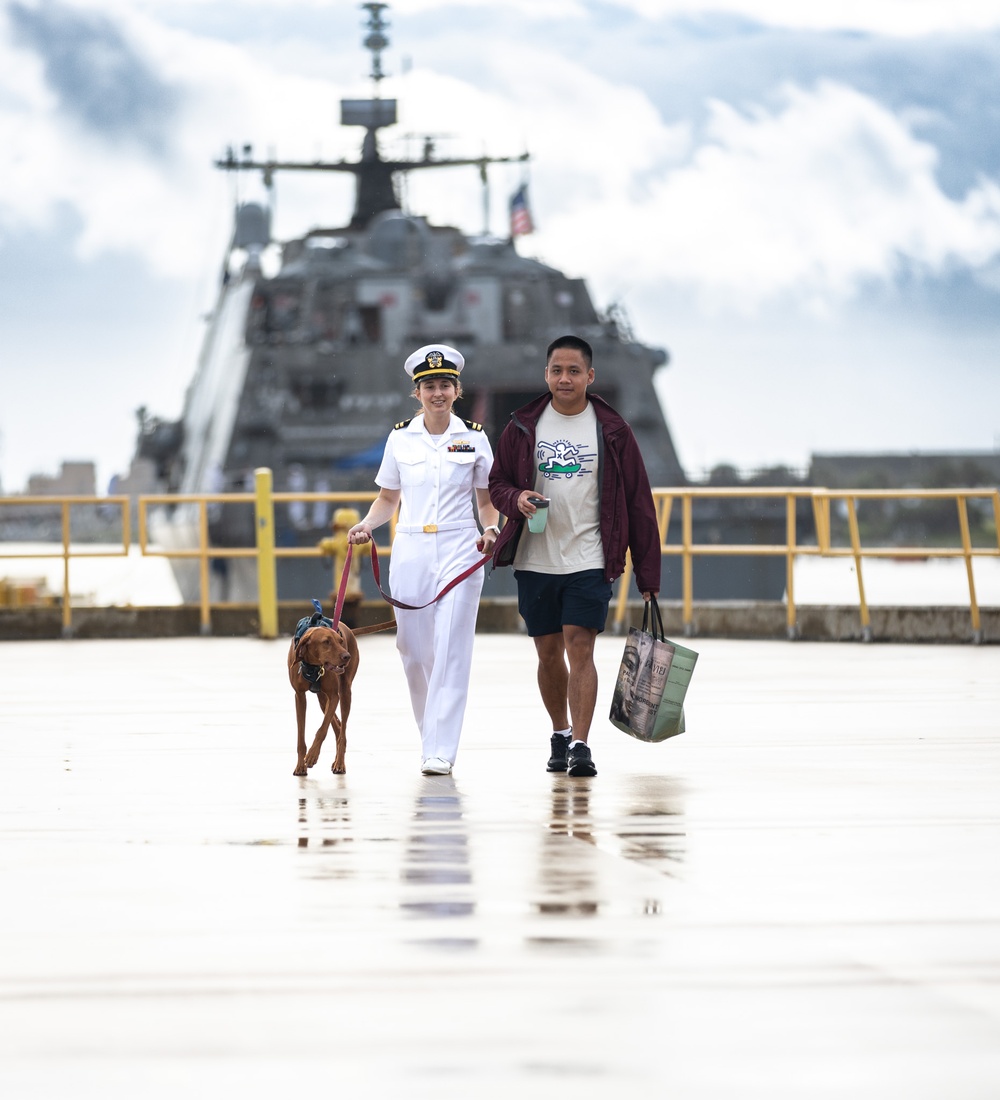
(376, 40)
(375, 190)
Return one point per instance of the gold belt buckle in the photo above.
(430, 528)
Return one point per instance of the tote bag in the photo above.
(648, 701)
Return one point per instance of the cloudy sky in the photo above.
(800, 201)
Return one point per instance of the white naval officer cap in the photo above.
(434, 361)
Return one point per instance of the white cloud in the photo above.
(810, 201)
(589, 138)
(893, 17)
(536, 8)
(27, 110)
(128, 199)
(904, 18)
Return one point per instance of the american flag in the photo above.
(520, 215)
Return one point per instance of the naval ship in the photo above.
(302, 371)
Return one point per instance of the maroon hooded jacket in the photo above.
(628, 515)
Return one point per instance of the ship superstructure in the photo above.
(301, 372)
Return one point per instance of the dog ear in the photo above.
(301, 645)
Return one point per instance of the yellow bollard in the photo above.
(267, 572)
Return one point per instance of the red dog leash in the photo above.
(378, 583)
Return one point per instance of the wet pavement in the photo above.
(798, 898)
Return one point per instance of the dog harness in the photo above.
(312, 673)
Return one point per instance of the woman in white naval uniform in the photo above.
(432, 467)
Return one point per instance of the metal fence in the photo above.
(68, 551)
(823, 503)
(791, 548)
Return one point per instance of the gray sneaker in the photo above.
(580, 761)
(560, 747)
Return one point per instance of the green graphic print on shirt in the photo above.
(564, 459)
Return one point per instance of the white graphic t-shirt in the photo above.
(566, 471)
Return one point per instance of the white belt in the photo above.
(433, 528)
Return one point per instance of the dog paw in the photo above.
(300, 769)
(338, 768)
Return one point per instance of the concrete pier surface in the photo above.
(798, 898)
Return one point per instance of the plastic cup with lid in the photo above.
(536, 522)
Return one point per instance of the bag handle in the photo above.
(652, 622)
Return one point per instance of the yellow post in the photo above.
(622, 605)
(267, 572)
(203, 577)
(821, 514)
(852, 524)
(687, 574)
(126, 525)
(791, 627)
(67, 610)
(963, 524)
(664, 507)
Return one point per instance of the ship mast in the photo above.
(375, 190)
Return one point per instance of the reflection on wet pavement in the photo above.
(436, 856)
(419, 859)
(436, 871)
(325, 821)
(184, 917)
(652, 831)
(579, 875)
(420, 856)
(567, 886)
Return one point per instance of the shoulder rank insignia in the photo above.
(473, 425)
(401, 424)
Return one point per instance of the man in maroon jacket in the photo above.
(572, 450)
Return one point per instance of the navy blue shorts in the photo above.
(548, 602)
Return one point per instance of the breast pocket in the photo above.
(412, 470)
(458, 466)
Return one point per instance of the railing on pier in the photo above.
(822, 499)
(791, 548)
(265, 551)
(68, 550)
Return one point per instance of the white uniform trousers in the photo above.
(435, 643)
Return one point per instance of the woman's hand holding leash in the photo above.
(382, 509)
(360, 533)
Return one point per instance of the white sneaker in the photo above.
(434, 765)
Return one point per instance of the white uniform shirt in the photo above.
(437, 479)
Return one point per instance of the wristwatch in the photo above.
(492, 527)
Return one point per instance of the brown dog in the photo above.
(330, 658)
